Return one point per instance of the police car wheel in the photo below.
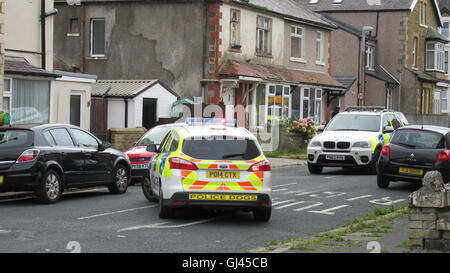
(263, 214)
(382, 181)
(147, 188)
(120, 181)
(314, 168)
(163, 211)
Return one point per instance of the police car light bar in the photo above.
(211, 121)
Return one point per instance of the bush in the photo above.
(303, 127)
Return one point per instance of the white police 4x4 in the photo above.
(353, 138)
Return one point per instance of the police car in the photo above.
(206, 163)
(354, 138)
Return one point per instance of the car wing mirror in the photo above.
(388, 129)
(152, 148)
(104, 145)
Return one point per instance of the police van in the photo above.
(354, 138)
(208, 163)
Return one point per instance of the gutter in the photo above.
(43, 35)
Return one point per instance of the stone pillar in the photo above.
(429, 215)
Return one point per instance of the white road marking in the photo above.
(328, 211)
(316, 204)
(327, 194)
(161, 225)
(115, 212)
(359, 197)
(284, 189)
(283, 185)
(282, 202)
(386, 201)
(303, 193)
(290, 205)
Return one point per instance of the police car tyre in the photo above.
(314, 168)
(50, 189)
(262, 214)
(147, 188)
(120, 181)
(163, 211)
(382, 181)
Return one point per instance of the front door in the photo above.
(149, 112)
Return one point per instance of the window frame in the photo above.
(7, 93)
(370, 52)
(92, 38)
(301, 37)
(269, 36)
(438, 57)
(238, 27)
(320, 41)
(444, 101)
(414, 53)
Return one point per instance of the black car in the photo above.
(413, 151)
(50, 158)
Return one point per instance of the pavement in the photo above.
(285, 162)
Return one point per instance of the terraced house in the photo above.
(398, 57)
(273, 55)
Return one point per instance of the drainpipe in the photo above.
(205, 29)
(83, 15)
(359, 74)
(126, 112)
(43, 45)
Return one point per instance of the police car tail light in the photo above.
(182, 164)
(443, 156)
(386, 150)
(28, 155)
(261, 166)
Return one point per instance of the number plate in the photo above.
(139, 166)
(335, 157)
(1, 180)
(223, 174)
(223, 197)
(410, 171)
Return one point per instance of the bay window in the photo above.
(435, 57)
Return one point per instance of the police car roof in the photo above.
(372, 113)
(215, 130)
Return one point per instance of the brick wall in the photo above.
(122, 139)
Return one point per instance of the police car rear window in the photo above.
(221, 149)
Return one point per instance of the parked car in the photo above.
(210, 166)
(50, 158)
(139, 156)
(353, 138)
(413, 151)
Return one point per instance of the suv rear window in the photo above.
(15, 138)
(418, 139)
(221, 149)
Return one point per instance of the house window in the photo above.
(389, 99)
(444, 101)
(30, 101)
(319, 47)
(297, 41)
(444, 29)
(6, 95)
(414, 53)
(76, 109)
(234, 28)
(435, 56)
(369, 57)
(278, 102)
(98, 37)
(437, 103)
(74, 26)
(423, 13)
(307, 103)
(446, 62)
(263, 32)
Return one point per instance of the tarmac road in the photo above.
(95, 221)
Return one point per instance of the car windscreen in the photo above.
(418, 139)
(154, 136)
(354, 122)
(15, 138)
(221, 149)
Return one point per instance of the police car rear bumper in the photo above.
(219, 200)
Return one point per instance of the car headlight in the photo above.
(315, 144)
(362, 144)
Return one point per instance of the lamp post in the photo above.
(362, 69)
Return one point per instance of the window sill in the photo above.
(424, 26)
(298, 60)
(264, 55)
(435, 70)
(73, 34)
(414, 68)
(320, 63)
(234, 49)
(96, 58)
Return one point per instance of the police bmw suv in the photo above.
(353, 138)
